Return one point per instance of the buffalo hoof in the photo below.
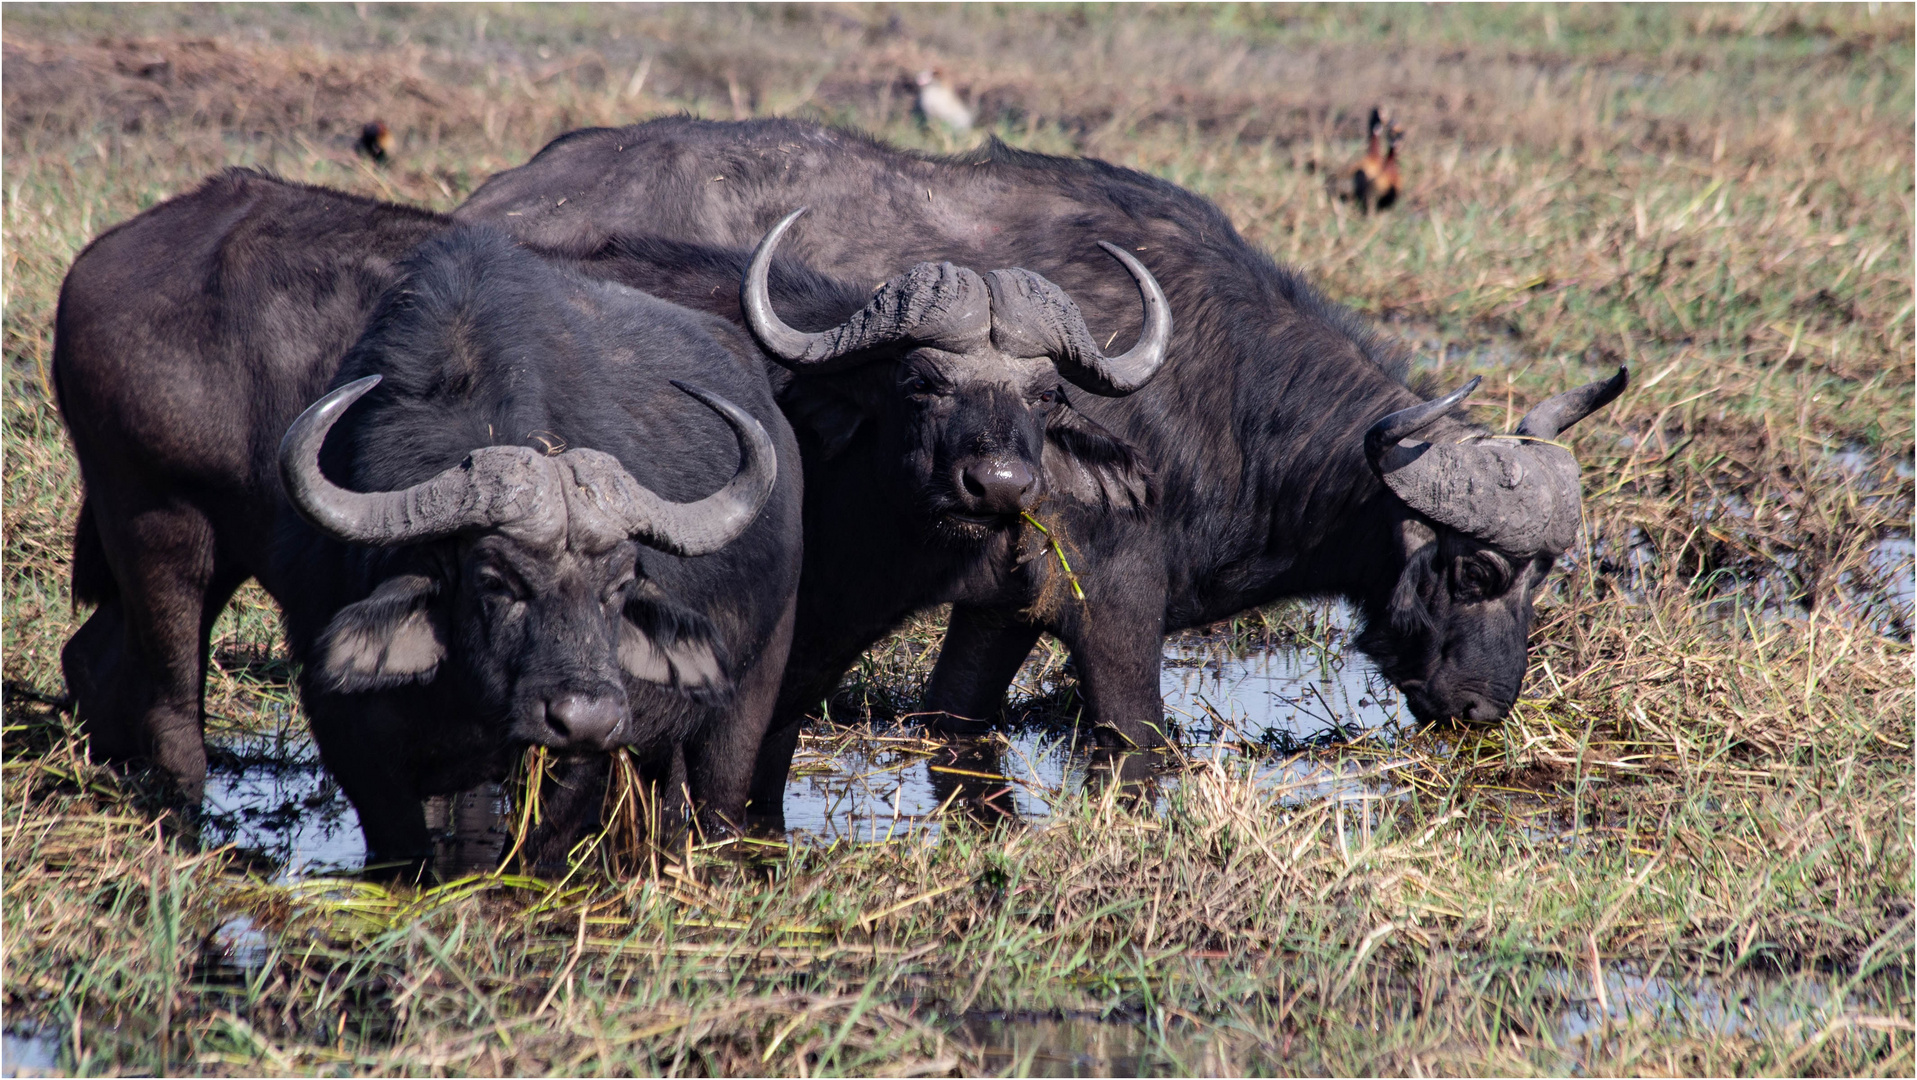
(400, 870)
(945, 723)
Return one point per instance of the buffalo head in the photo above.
(975, 406)
(534, 605)
(1487, 518)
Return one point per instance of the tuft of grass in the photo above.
(1688, 849)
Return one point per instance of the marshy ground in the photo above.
(1688, 849)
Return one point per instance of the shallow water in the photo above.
(268, 794)
(1083, 1045)
(270, 797)
(1282, 698)
(29, 1051)
(1705, 1006)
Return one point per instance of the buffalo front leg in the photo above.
(361, 742)
(721, 762)
(1117, 641)
(982, 651)
(798, 693)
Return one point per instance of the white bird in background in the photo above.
(940, 105)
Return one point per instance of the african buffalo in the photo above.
(185, 342)
(1288, 456)
(515, 539)
(935, 475)
(933, 416)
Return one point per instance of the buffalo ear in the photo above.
(393, 637)
(816, 409)
(1409, 612)
(661, 642)
(1085, 462)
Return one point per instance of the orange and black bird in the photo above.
(1375, 179)
(375, 139)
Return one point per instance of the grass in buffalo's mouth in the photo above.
(1688, 850)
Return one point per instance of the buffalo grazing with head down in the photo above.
(1287, 456)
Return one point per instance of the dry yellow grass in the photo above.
(1707, 787)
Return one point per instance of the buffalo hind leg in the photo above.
(982, 651)
(137, 668)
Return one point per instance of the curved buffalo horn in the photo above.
(437, 507)
(520, 490)
(1520, 495)
(1031, 314)
(930, 302)
(1554, 414)
(706, 525)
(1405, 423)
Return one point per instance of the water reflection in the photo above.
(1084, 1045)
(1279, 694)
(269, 796)
(1283, 698)
(1705, 1007)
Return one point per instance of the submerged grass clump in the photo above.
(1687, 850)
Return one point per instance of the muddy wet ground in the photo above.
(863, 780)
(268, 794)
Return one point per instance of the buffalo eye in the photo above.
(1048, 398)
(1480, 576)
(915, 385)
(497, 585)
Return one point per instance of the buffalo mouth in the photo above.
(1467, 709)
(981, 521)
(950, 521)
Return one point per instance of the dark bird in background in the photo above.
(375, 139)
(1375, 179)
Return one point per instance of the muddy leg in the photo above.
(360, 744)
(805, 682)
(982, 651)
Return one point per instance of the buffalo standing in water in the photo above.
(526, 534)
(269, 283)
(1287, 457)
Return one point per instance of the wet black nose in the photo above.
(584, 721)
(1479, 710)
(997, 485)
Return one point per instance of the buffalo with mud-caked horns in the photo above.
(976, 395)
(1254, 429)
(1461, 610)
(1000, 321)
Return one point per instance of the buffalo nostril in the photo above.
(1480, 711)
(584, 721)
(999, 485)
